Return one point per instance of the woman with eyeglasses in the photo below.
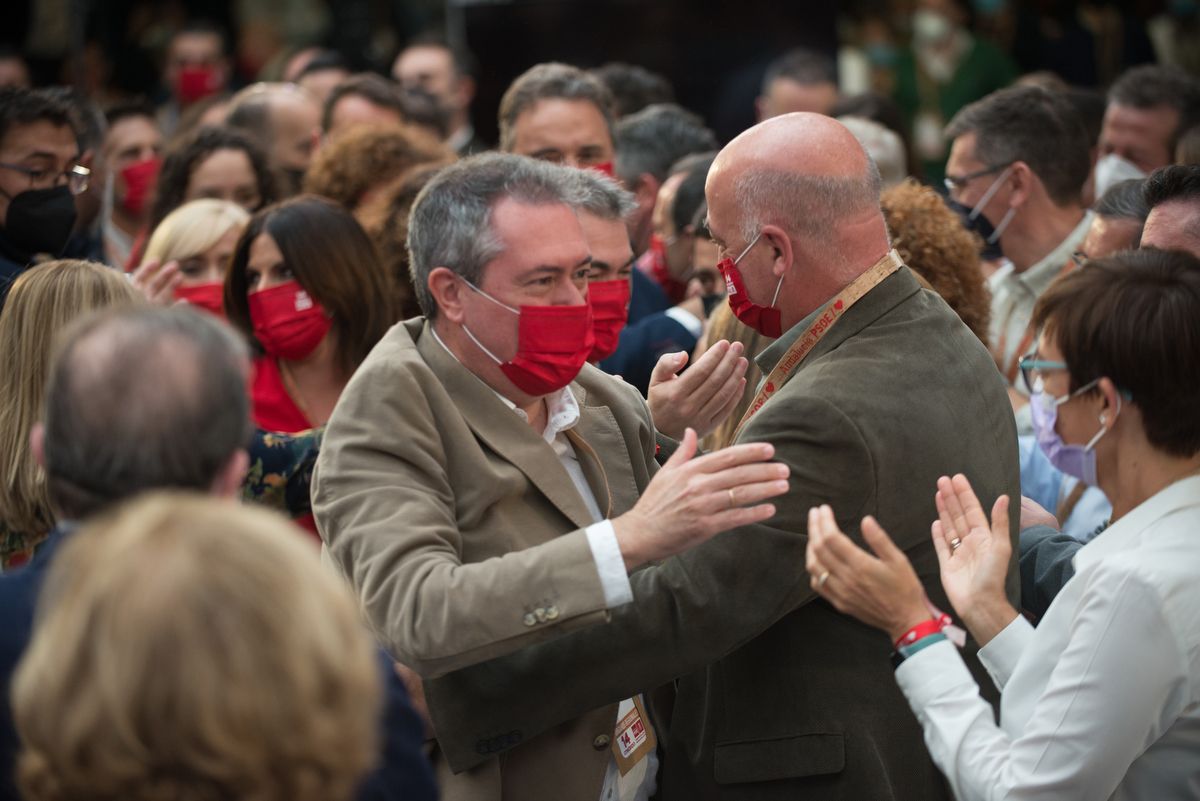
(1102, 699)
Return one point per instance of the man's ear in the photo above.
(1023, 181)
(228, 482)
(781, 246)
(37, 444)
(645, 191)
(447, 290)
(465, 90)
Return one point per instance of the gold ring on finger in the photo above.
(954, 543)
(732, 502)
(821, 579)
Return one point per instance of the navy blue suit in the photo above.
(404, 773)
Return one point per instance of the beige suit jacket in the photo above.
(464, 536)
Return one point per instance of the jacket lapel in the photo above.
(502, 430)
(604, 456)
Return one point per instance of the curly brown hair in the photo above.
(347, 169)
(385, 219)
(931, 239)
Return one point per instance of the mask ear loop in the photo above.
(479, 344)
(989, 194)
(1104, 426)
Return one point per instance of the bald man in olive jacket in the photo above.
(778, 696)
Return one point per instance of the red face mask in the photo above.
(139, 182)
(610, 310)
(763, 319)
(553, 344)
(288, 323)
(676, 290)
(196, 83)
(604, 168)
(210, 297)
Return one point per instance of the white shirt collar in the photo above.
(562, 409)
(1125, 533)
(1038, 277)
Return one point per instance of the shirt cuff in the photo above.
(928, 673)
(691, 323)
(1000, 656)
(602, 539)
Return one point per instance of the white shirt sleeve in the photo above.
(610, 564)
(1000, 656)
(690, 322)
(1119, 684)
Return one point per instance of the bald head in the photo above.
(805, 173)
(139, 399)
(803, 184)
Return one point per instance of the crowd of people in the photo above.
(346, 456)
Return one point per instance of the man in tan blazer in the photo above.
(876, 389)
(484, 490)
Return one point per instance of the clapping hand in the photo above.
(703, 396)
(974, 556)
(881, 590)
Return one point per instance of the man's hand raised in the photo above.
(694, 498)
(703, 396)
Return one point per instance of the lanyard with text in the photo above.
(826, 317)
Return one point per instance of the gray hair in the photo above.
(1124, 200)
(808, 205)
(546, 81)
(599, 195)
(451, 221)
(1029, 124)
(142, 398)
(657, 137)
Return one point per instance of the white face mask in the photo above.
(1111, 170)
(930, 26)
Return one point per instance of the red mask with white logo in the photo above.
(763, 319)
(287, 322)
(610, 311)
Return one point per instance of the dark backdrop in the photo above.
(713, 51)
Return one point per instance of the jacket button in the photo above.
(540, 614)
(529, 619)
(551, 613)
(601, 742)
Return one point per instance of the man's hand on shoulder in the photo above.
(703, 396)
(694, 498)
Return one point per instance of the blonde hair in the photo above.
(192, 649)
(193, 228)
(41, 303)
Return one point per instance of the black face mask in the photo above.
(979, 225)
(40, 220)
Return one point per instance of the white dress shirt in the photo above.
(562, 413)
(1102, 699)
(1015, 293)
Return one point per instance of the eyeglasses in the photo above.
(76, 178)
(1032, 368)
(1079, 258)
(958, 183)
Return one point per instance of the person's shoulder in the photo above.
(602, 389)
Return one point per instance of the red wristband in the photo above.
(923, 629)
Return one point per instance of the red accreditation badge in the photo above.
(634, 739)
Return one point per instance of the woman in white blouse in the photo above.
(1102, 700)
